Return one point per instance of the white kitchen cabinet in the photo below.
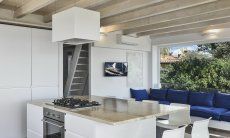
(15, 57)
(85, 131)
(69, 134)
(13, 112)
(34, 121)
(32, 134)
(80, 127)
(45, 93)
(45, 59)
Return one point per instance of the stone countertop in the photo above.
(115, 111)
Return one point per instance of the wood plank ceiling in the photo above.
(140, 17)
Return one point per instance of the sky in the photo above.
(177, 49)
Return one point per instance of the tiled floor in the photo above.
(219, 134)
(214, 133)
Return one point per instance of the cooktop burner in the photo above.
(74, 103)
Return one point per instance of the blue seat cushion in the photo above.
(222, 100)
(207, 112)
(158, 94)
(201, 98)
(139, 95)
(178, 96)
(225, 117)
(164, 102)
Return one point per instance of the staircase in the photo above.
(77, 81)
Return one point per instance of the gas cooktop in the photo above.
(74, 103)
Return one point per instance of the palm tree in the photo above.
(165, 51)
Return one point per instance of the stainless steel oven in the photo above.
(53, 124)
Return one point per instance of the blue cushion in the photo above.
(178, 96)
(164, 102)
(207, 112)
(201, 98)
(139, 95)
(222, 100)
(225, 117)
(158, 94)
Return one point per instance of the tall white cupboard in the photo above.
(30, 68)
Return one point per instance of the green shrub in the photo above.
(198, 74)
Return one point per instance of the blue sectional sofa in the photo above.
(203, 104)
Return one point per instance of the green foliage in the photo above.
(165, 51)
(198, 73)
(218, 50)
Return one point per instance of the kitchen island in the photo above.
(114, 118)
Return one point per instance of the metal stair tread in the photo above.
(78, 77)
(84, 51)
(77, 83)
(72, 90)
(80, 70)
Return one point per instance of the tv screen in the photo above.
(112, 69)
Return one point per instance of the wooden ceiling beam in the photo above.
(185, 27)
(190, 31)
(125, 6)
(152, 10)
(31, 7)
(183, 21)
(179, 14)
(81, 3)
(7, 17)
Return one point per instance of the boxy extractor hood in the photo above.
(76, 26)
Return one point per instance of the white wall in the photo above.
(108, 51)
(110, 41)
(31, 68)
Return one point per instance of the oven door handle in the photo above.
(52, 123)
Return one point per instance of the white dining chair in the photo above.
(131, 99)
(174, 133)
(199, 129)
(150, 101)
(177, 119)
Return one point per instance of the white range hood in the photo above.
(76, 26)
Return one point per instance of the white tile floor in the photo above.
(219, 134)
(214, 133)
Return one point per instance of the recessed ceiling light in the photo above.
(102, 30)
(213, 31)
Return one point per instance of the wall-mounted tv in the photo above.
(113, 69)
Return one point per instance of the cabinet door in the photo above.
(45, 93)
(15, 57)
(69, 134)
(79, 126)
(44, 59)
(13, 112)
(34, 119)
(32, 134)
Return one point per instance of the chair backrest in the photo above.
(200, 129)
(131, 99)
(180, 117)
(175, 133)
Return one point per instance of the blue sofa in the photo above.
(203, 104)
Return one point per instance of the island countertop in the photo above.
(114, 111)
